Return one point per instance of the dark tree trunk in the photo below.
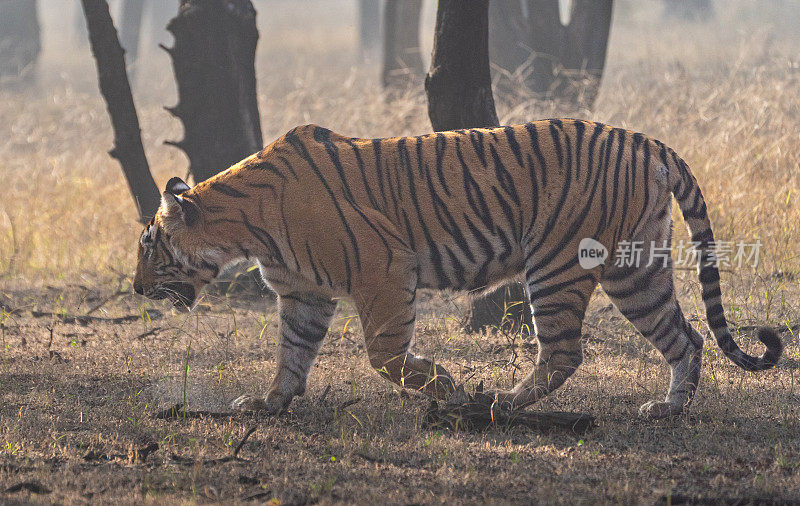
(458, 84)
(459, 92)
(131, 28)
(116, 91)
(369, 27)
(557, 61)
(402, 60)
(214, 62)
(20, 42)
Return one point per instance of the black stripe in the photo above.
(642, 311)
(481, 277)
(227, 190)
(264, 238)
(268, 167)
(419, 157)
(323, 136)
(288, 165)
(509, 214)
(376, 150)
(446, 220)
(363, 172)
(317, 277)
(476, 138)
(456, 267)
(503, 176)
(537, 151)
(474, 195)
(300, 148)
(513, 144)
(440, 145)
(590, 166)
(556, 138)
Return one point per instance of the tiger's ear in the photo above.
(177, 208)
(176, 186)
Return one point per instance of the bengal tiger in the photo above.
(327, 216)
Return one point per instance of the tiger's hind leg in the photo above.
(558, 307)
(646, 297)
(305, 318)
(388, 312)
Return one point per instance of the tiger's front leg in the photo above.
(305, 318)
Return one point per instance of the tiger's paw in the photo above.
(655, 410)
(272, 404)
(248, 403)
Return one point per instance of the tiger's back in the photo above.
(376, 219)
(467, 202)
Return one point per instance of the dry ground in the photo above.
(78, 398)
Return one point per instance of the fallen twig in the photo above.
(179, 411)
(479, 412)
(243, 441)
(118, 293)
(153, 314)
(228, 458)
(348, 403)
(324, 394)
(369, 458)
(150, 332)
(31, 486)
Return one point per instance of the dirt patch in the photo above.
(81, 401)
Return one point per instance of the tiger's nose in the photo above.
(137, 287)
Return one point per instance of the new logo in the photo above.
(591, 253)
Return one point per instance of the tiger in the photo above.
(327, 216)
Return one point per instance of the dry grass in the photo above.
(75, 398)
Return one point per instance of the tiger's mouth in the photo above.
(181, 294)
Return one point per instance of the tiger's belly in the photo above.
(442, 265)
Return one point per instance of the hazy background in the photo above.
(723, 93)
(78, 396)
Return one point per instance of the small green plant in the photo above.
(10, 448)
(432, 438)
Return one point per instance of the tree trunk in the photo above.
(20, 42)
(402, 60)
(555, 60)
(130, 28)
(214, 62)
(585, 48)
(458, 85)
(116, 91)
(459, 92)
(369, 27)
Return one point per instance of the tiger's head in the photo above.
(170, 264)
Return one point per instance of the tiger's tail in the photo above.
(693, 207)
